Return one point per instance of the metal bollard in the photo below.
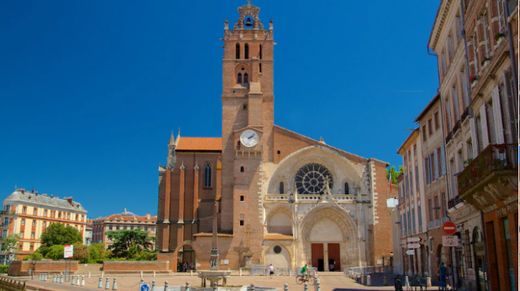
(285, 287)
(100, 283)
(72, 281)
(154, 275)
(318, 285)
(62, 279)
(89, 274)
(406, 281)
(165, 285)
(107, 284)
(141, 273)
(240, 272)
(252, 287)
(305, 286)
(102, 274)
(114, 284)
(369, 280)
(428, 281)
(187, 287)
(82, 283)
(153, 286)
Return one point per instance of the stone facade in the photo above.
(277, 197)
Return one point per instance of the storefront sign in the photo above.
(450, 241)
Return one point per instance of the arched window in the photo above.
(281, 188)
(237, 51)
(242, 169)
(246, 79)
(260, 52)
(239, 78)
(246, 51)
(346, 188)
(207, 175)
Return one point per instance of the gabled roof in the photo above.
(352, 156)
(213, 144)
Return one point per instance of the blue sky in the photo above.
(90, 90)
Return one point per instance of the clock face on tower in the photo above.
(249, 138)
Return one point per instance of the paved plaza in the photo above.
(329, 282)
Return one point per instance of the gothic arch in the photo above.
(280, 227)
(349, 237)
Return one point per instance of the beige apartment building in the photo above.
(28, 213)
(411, 206)
(434, 181)
(476, 44)
(125, 220)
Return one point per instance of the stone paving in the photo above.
(130, 282)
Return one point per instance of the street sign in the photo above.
(410, 252)
(450, 241)
(413, 239)
(414, 246)
(144, 287)
(68, 251)
(449, 228)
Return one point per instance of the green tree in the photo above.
(81, 253)
(59, 234)
(55, 252)
(97, 253)
(392, 173)
(8, 247)
(129, 244)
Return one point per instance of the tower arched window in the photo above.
(207, 175)
(281, 188)
(346, 188)
(237, 51)
(246, 79)
(260, 52)
(239, 78)
(246, 51)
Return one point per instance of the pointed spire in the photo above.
(171, 142)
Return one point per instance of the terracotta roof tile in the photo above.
(199, 144)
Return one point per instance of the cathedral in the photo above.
(263, 194)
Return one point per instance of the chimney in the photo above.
(69, 199)
(148, 216)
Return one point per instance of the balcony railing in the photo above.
(493, 159)
(454, 201)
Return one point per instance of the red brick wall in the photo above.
(21, 268)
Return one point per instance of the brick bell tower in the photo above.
(247, 121)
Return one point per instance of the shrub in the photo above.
(55, 252)
(97, 253)
(3, 269)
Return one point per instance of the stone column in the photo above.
(326, 257)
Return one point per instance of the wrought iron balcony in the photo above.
(491, 176)
(454, 201)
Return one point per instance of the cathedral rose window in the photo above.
(311, 179)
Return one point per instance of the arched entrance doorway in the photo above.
(329, 239)
(186, 259)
